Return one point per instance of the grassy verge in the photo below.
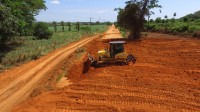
(26, 48)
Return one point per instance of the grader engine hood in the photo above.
(121, 55)
(102, 52)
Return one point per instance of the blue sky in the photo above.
(103, 10)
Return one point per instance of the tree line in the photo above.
(186, 25)
(77, 25)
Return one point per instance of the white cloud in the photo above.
(55, 2)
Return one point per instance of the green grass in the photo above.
(59, 77)
(177, 27)
(30, 49)
(94, 28)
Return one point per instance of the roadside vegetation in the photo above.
(132, 16)
(21, 49)
(187, 25)
(22, 38)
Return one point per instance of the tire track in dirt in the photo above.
(15, 91)
(132, 94)
(31, 72)
(137, 91)
(158, 81)
(117, 102)
(25, 78)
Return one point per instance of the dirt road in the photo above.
(18, 83)
(112, 33)
(165, 77)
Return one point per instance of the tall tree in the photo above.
(24, 12)
(54, 26)
(8, 23)
(69, 24)
(77, 27)
(174, 15)
(166, 17)
(149, 15)
(63, 25)
(19, 13)
(133, 15)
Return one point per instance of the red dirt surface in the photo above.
(17, 84)
(165, 77)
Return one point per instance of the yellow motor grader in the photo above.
(114, 52)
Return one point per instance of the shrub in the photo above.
(41, 31)
(85, 28)
(196, 34)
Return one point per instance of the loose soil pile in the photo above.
(165, 77)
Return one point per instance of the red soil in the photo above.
(165, 77)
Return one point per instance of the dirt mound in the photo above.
(165, 77)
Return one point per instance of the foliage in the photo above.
(32, 49)
(196, 34)
(22, 12)
(41, 31)
(175, 27)
(85, 28)
(7, 23)
(62, 23)
(55, 26)
(195, 15)
(174, 15)
(77, 27)
(69, 24)
(132, 16)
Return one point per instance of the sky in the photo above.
(103, 10)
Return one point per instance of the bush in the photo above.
(196, 34)
(85, 28)
(41, 31)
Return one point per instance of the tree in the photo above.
(55, 26)
(174, 15)
(97, 23)
(166, 22)
(185, 19)
(166, 17)
(133, 15)
(149, 15)
(158, 20)
(63, 25)
(151, 20)
(108, 23)
(77, 27)
(23, 12)
(7, 23)
(41, 31)
(69, 24)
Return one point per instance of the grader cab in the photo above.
(114, 52)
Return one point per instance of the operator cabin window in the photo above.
(119, 48)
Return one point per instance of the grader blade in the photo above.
(87, 64)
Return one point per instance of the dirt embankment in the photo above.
(165, 77)
(17, 84)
